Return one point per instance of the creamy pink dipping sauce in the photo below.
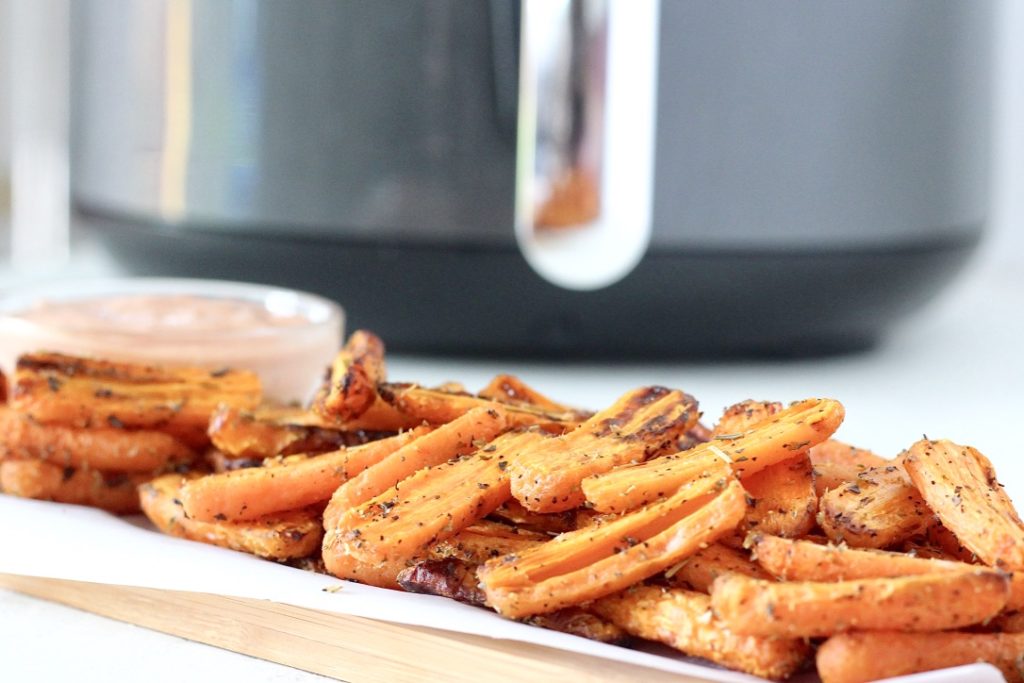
(288, 338)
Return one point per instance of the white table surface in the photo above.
(953, 370)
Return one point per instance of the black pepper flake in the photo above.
(114, 422)
(53, 383)
(220, 517)
(220, 373)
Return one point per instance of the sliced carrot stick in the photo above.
(419, 404)
(880, 509)
(782, 499)
(863, 657)
(960, 485)
(103, 448)
(793, 560)
(512, 390)
(779, 438)
(45, 481)
(513, 512)
(269, 431)
(806, 609)
(743, 416)
(461, 436)
(641, 423)
(430, 506)
(282, 537)
(584, 565)
(683, 620)
(701, 569)
(295, 483)
(83, 392)
(836, 463)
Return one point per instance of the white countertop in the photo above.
(954, 370)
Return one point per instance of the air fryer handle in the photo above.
(585, 138)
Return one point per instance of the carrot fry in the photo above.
(960, 485)
(355, 373)
(512, 390)
(113, 492)
(775, 440)
(808, 609)
(640, 424)
(103, 448)
(267, 432)
(461, 436)
(863, 657)
(82, 392)
(836, 463)
(591, 563)
(743, 416)
(298, 482)
(1008, 622)
(283, 537)
(683, 620)
(701, 569)
(880, 509)
(782, 499)
(430, 506)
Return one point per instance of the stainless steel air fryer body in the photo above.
(819, 168)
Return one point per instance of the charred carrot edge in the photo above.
(807, 609)
(863, 657)
(45, 481)
(743, 416)
(83, 392)
(295, 483)
(591, 563)
(960, 485)
(511, 389)
(701, 569)
(880, 509)
(437, 407)
(430, 506)
(836, 463)
(105, 449)
(281, 537)
(782, 499)
(794, 430)
(683, 620)
(355, 373)
(641, 423)
(461, 436)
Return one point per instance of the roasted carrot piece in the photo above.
(743, 416)
(880, 509)
(775, 440)
(641, 423)
(419, 404)
(355, 373)
(83, 392)
(1008, 622)
(863, 657)
(112, 492)
(430, 506)
(461, 436)
(781, 499)
(295, 483)
(269, 431)
(960, 485)
(486, 540)
(683, 620)
(591, 563)
(808, 609)
(510, 389)
(102, 448)
(282, 537)
(701, 569)
(836, 463)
